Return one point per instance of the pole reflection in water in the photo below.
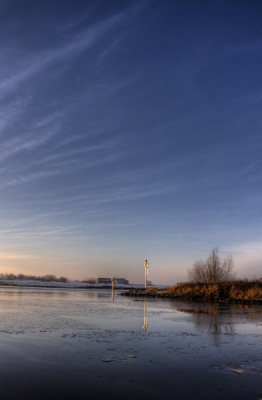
(145, 326)
(113, 295)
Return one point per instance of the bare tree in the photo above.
(63, 279)
(90, 280)
(49, 278)
(213, 269)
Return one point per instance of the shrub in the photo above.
(213, 269)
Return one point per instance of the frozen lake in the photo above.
(91, 344)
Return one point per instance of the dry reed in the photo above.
(233, 290)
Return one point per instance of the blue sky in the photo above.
(130, 131)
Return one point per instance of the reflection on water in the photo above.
(54, 307)
(212, 322)
(99, 340)
(217, 319)
(145, 326)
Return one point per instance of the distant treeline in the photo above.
(45, 278)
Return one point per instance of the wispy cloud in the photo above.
(14, 256)
(28, 142)
(82, 41)
(109, 50)
(55, 169)
(11, 111)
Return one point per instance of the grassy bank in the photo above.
(232, 290)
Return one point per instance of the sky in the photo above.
(130, 130)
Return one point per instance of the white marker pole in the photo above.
(146, 264)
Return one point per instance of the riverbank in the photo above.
(66, 285)
(61, 285)
(236, 292)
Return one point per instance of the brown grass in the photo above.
(233, 290)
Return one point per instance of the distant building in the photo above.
(122, 281)
(103, 280)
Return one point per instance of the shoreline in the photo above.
(53, 286)
(160, 293)
(68, 285)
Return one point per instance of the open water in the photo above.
(92, 344)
